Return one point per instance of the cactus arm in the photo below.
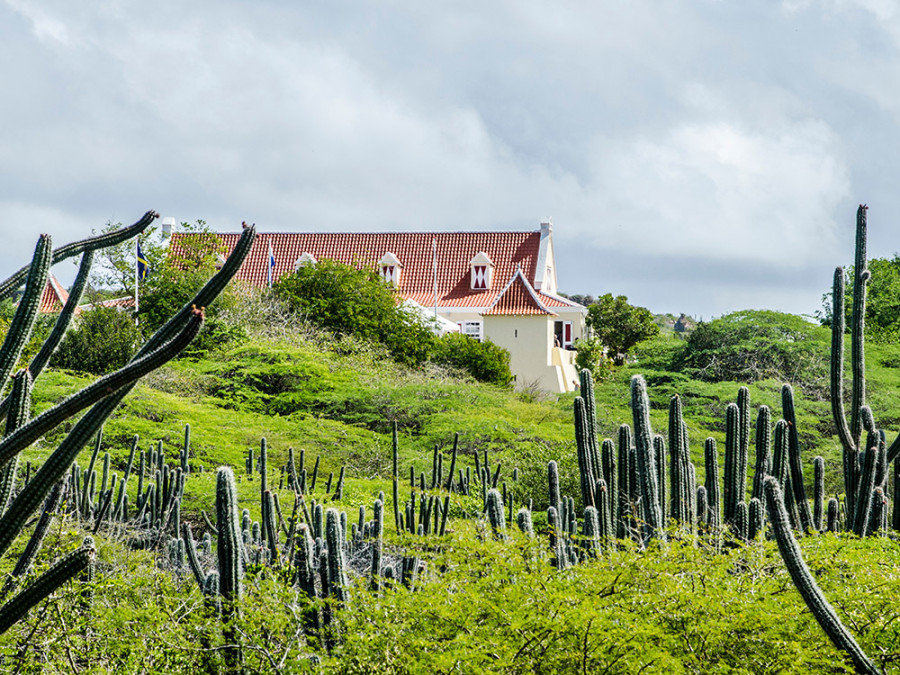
(26, 313)
(61, 459)
(796, 466)
(65, 316)
(49, 581)
(191, 549)
(205, 295)
(106, 240)
(858, 324)
(102, 388)
(836, 382)
(806, 584)
(37, 537)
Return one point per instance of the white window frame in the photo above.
(472, 329)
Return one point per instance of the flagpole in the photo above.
(434, 265)
(137, 266)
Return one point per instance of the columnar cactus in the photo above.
(646, 462)
(677, 465)
(731, 486)
(818, 491)
(334, 539)
(862, 509)
(795, 463)
(711, 457)
(23, 320)
(231, 569)
(763, 450)
(806, 584)
(495, 515)
(582, 441)
(524, 522)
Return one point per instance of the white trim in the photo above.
(534, 295)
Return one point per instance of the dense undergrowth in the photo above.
(495, 607)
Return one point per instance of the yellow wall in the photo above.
(533, 359)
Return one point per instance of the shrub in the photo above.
(750, 345)
(590, 354)
(485, 361)
(348, 301)
(103, 340)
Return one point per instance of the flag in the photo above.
(271, 267)
(142, 265)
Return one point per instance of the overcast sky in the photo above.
(698, 157)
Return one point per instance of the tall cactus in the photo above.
(582, 442)
(646, 461)
(231, 569)
(495, 516)
(23, 320)
(795, 463)
(711, 456)
(806, 584)
(763, 450)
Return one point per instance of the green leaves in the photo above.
(620, 326)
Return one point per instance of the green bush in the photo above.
(103, 340)
(485, 361)
(754, 345)
(590, 354)
(348, 301)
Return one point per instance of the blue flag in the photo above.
(142, 265)
(270, 271)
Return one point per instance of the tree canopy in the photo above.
(620, 326)
(882, 300)
(755, 345)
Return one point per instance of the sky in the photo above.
(696, 156)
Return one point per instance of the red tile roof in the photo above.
(509, 251)
(54, 297)
(519, 298)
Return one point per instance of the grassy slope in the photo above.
(339, 400)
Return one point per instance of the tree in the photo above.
(354, 301)
(755, 345)
(882, 300)
(173, 279)
(620, 326)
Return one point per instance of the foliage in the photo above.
(591, 354)
(174, 279)
(619, 325)
(754, 345)
(347, 300)
(103, 339)
(882, 300)
(485, 361)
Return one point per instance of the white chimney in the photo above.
(168, 226)
(546, 227)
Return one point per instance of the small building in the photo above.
(499, 286)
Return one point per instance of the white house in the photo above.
(499, 286)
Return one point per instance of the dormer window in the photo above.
(389, 268)
(481, 272)
(305, 259)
